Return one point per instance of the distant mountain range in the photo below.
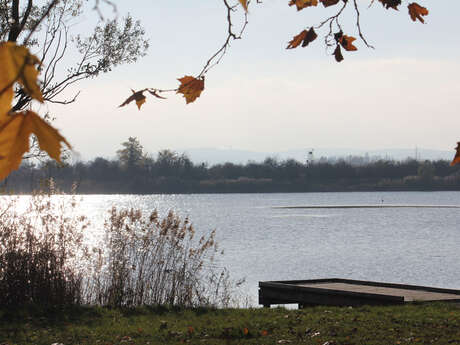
(215, 156)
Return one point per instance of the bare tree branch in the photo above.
(358, 24)
(15, 28)
(220, 53)
(39, 21)
(26, 15)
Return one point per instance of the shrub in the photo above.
(39, 250)
(45, 259)
(157, 262)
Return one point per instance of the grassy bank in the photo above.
(413, 324)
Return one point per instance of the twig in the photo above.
(359, 25)
(44, 15)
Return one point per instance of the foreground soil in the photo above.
(411, 324)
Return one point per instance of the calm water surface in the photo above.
(401, 245)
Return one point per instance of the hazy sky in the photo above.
(262, 97)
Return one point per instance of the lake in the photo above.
(261, 242)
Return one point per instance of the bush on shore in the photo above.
(143, 260)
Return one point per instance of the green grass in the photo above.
(410, 324)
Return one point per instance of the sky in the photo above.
(262, 97)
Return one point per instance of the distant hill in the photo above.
(215, 156)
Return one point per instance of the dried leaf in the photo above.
(347, 42)
(244, 3)
(304, 37)
(14, 140)
(327, 3)
(416, 12)
(338, 35)
(338, 54)
(456, 159)
(191, 88)
(310, 37)
(136, 96)
(295, 42)
(391, 4)
(301, 4)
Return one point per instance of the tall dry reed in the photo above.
(156, 261)
(144, 260)
(40, 247)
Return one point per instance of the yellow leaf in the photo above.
(19, 65)
(190, 87)
(244, 3)
(15, 136)
(7, 79)
(5, 102)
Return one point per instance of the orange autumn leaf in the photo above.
(347, 42)
(295, 42)
(456, 159)
(301, 4)
(416, 12)
(305, 37)
(191, 87)
(14, 140)
(244, 3)
(136, 96)
(245, 331)
(16, 64)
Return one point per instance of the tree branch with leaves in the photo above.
(46, 29)
(111, 44)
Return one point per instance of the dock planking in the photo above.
(347, 292)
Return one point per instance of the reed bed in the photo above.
(143, 259)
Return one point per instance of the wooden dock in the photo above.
(347, 292)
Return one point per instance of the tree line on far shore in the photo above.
(136, 172)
